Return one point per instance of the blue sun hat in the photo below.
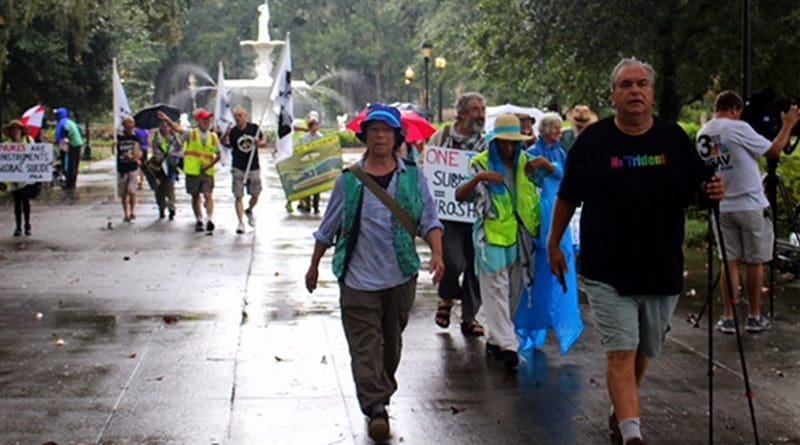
(381, 113)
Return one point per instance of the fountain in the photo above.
(258, 90)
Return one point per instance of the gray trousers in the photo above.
(373, 324)
(165, 195)
(459, 259)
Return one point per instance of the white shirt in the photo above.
(734, 148)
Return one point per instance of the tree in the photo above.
(562, 52)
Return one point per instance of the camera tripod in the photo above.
(714, 224)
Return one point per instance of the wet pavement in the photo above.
(148, 333)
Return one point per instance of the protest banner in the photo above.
(26, 162)
(445, 169)
(312, 168)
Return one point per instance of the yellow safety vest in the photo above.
(198, 155)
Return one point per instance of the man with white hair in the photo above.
(244, 139)
(635, 174)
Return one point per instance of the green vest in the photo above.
(407, 194)
(502, 230)
(198, 155)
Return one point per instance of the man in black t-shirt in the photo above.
(635, 175)
(244, 139)
(129, 154)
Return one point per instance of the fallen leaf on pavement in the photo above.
(324, 360)
(133, 355)
(278, 359)
(455, 410)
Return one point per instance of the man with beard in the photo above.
(459, 253)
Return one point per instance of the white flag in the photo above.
(121, 107)
(222, 108)
(284, 104)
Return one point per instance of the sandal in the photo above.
(472, 328)
(443, 314)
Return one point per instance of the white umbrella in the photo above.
(493, 112)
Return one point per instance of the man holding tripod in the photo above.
(634, 174)
(733, 147)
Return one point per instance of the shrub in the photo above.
(696, 230)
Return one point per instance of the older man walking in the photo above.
(459, 253)
(635, 174)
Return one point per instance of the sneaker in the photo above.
(27, 230)
(198, 226)
(758, 324)
(240, 228)
(251, 219)
(209, 226)
(726, 326)
(171, 215)
(18, 232)
(127, 219)
(303, 209)
(379, 427)
(510, 360)
(494, 351)
(161, 214)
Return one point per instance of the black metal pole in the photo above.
(710, 306)
(87, 149)
(441, 98)
(746, 72)
(427, 86)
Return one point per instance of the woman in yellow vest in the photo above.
(508, 217)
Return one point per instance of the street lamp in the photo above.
(409, 77)
(427, 50)
(440, 63)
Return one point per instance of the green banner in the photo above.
(312, 169)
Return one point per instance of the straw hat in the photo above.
(506, 127)
(14, 123)
(581, 115)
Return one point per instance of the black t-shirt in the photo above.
(242, 142)
(634, 190)
(125, 149)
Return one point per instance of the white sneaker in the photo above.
(251, 219)
(240, 228)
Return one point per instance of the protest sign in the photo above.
(312, 168)
(446, 169)
(26, 162)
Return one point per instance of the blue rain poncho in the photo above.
(544, 305)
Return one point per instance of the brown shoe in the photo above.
(379, 427)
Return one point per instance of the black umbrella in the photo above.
(147, 118)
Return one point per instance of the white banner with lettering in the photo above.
(26, 162)
(445, 170)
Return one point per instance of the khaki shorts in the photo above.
(197, 184)
(253, 183)
(630, 322)
(748, 236)
(127, 183)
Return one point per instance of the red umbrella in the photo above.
(416, 128)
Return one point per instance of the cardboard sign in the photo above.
(26, 162)
(312, 168)
(446, 169)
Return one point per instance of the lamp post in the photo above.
(440, 63)
(409, 75)
(427, 50)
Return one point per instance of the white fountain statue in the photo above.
(259, 88)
